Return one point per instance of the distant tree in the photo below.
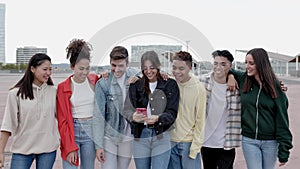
(10, 66)
(23, 66)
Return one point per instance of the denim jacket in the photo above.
(107, 117)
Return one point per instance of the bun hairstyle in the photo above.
(78, 49)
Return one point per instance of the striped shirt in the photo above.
(233, 125)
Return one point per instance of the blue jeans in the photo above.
(43, 161)
(86, 152)
(118, 154)
(260, 154)
(180, 157)
(149, 151)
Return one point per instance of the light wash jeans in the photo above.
(43, 161)
(180, 157)
(118, 155)
(260, 154)
(149, 151)
(86, 152)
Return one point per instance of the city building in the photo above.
(2, 33)
(24, 54)
(164, 53)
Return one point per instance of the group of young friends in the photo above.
(163, 122)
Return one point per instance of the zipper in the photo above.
(256, 129)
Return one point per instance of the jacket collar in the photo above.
(160, 83)
(127, 76)
(67, 84)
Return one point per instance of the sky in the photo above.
(227, 24)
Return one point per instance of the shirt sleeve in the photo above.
(10, 119)
(66, 129)
(238, 75)
(99, 116)
(283, 133)
(199, 123)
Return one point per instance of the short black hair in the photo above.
(223, 53)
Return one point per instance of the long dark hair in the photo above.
(153, 58)
(25, 84)
(264, 70)
(78, 49)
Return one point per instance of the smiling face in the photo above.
(251, 66)
(118, 67)
(150, 71)
(41, 73)
(81, 70)
(181, 71)
(221, 67)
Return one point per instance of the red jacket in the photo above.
(65, 118)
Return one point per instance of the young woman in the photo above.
(75, 103)
(30, 117)
(265, 122)
(160, 98)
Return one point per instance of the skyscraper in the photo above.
(2, 33)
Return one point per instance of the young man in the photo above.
(223, 116)
(187, 137)
(111, 132)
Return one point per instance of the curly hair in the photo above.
(78, 49)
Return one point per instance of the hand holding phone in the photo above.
(140, 115)
(141, 111)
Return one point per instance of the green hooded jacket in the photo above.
(264, 117)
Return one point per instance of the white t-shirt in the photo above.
(82, 99)
(217, 113)
(127, 129)
(121, 82)
(152, 87)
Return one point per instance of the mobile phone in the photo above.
(141, 111)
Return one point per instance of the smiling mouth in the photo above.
(177, 77)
